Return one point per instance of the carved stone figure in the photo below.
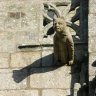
(63, 43)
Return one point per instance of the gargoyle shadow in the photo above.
(19, 75)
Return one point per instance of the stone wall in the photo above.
(26, 58)
(92, 47)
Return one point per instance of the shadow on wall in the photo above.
(19, 75)
(92, 83)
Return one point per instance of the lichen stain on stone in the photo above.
(16, 15)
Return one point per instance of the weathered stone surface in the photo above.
(68, 1)
(7, 81)
(77, 86)
(48, 40)
(25, 38)
(91, 78)
(22, 17)
(92, 6)
(22, 59)
(4, 60)
(50, 48)
(92, 59)
(92, 64)
(92, 70)
(7, 42)
(92, 28)
(92, 46)
(55, 92)
(3, 16)
(19, 93)
(50, 77)
(47, 58)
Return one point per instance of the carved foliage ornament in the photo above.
(52, 11)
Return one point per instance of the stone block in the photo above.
(58, 92)
(23, 59)
(24, 17)
(29, 21)
(25, 38)
(92, 64)
(4, 60)
(21, 15)
(91, 23)
(19, 93)
(12, 24)
(48, 40)
(51, 77)
(92, 6)
(3, 16)
(58, 1)
(55, 92)
(7, 80)
(92, 45)
(91, 78)
(7, 42)
(47, 58)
